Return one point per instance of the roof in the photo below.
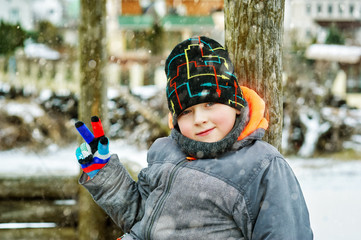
(342, 23)
(39, 50)
(194, 22)
(336, 53)
(135, 22)
(169, 22)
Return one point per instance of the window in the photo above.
(341, 8)
(319, 8)
(14, 15)
(330, 9)
(353, 79)
(351, 9)
(308, 9)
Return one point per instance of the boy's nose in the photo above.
(199, 117)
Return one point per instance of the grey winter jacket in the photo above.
(248, 193)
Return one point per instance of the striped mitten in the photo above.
(94, 153)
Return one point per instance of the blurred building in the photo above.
(142, 32)
(194, 8)
(63, 14)
(347, 83)
(132, 24)
(178, 19)
(308, 21)
(178, 7)
(28, 12)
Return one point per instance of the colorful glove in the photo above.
(94, 153)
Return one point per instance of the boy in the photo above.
(213, 177)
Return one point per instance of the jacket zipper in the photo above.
(162, 199)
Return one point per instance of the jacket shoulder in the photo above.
(164, 150)
(239, 168)
(254, 160)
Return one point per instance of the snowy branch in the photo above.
(311, 119)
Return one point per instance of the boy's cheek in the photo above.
(185, 129)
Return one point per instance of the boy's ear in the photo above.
(170, 120)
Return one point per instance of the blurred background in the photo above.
(40, 91)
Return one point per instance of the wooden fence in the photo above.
(50, 201)
(47, 206)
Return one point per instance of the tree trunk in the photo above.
(93, 57)
(254, 31)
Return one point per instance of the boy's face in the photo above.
(207, 122)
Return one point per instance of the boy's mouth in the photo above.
(205, 132)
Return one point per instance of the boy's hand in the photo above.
(94, 153)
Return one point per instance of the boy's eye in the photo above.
(185, 112)
(210, 104)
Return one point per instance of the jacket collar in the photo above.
(256, 113)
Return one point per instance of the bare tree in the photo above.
(93, 57)
(254, 31)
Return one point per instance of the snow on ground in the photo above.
(332, 189)
(61, 161)
(26, 111)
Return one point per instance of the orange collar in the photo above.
(256, 112)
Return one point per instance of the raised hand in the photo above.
(94, 153)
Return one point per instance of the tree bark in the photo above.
(93, 57)
(253, 37)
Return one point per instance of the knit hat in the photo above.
(199, 70)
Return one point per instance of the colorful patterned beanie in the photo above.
(199, 70)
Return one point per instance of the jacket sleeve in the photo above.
(275, 205)
(117, 193)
